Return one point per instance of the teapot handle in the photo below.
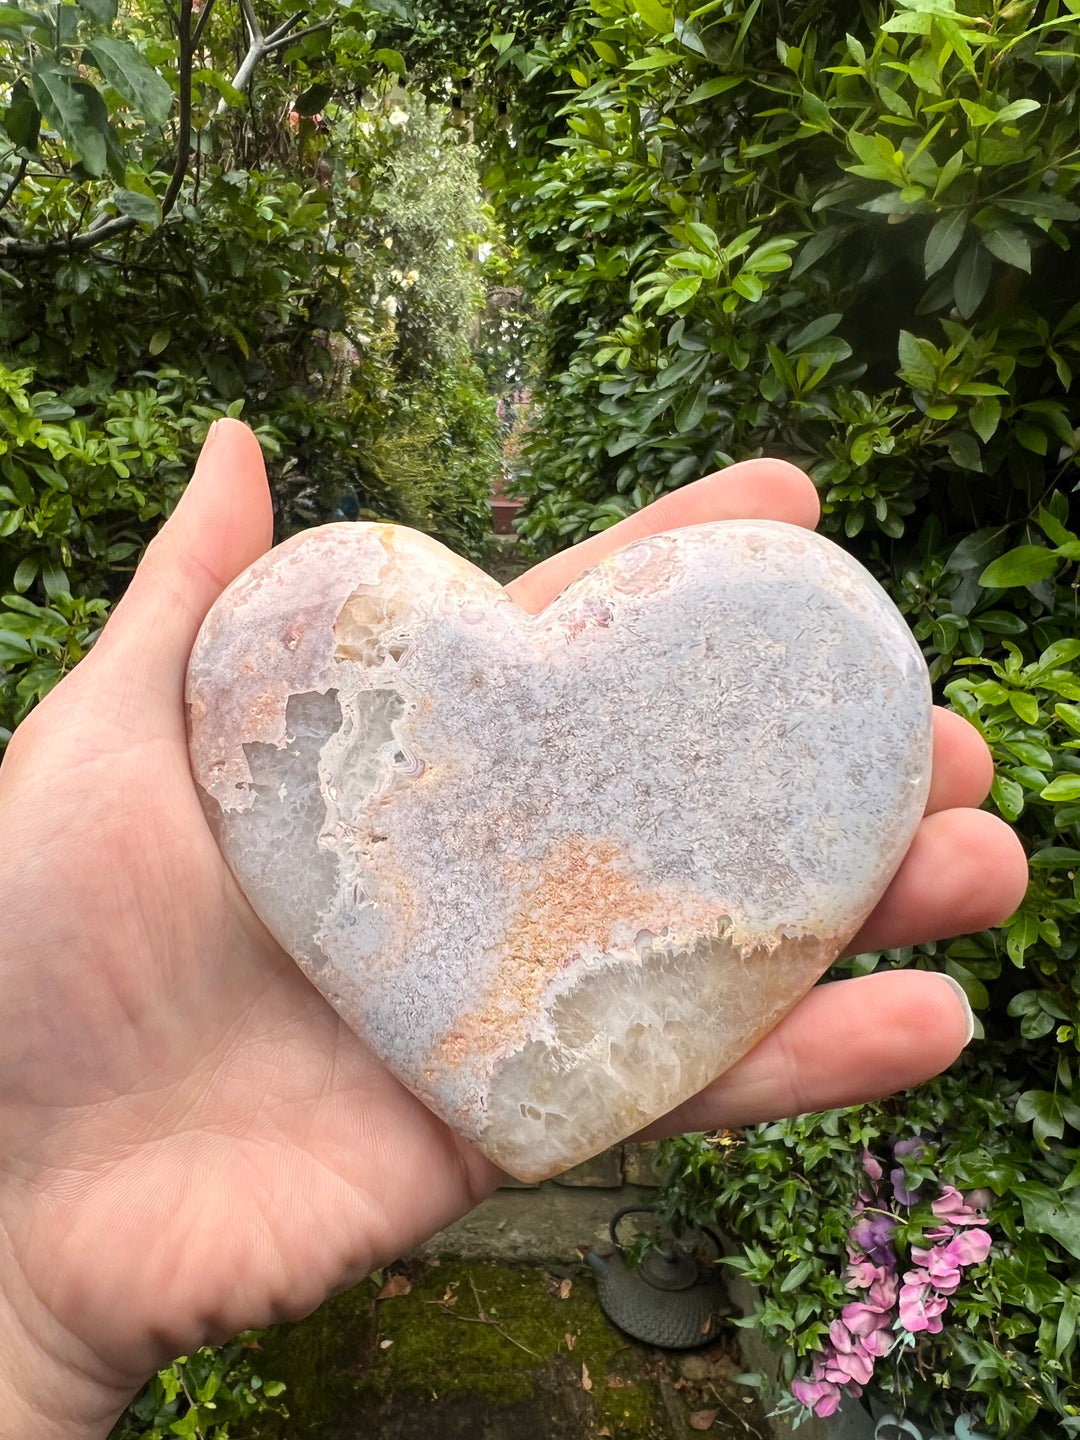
(620, 1216)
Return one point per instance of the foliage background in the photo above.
(206, 212)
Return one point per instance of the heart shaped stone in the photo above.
(560, 871)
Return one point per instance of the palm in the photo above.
(255, 1151)
(190, 1141)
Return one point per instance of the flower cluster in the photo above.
(886, 1308)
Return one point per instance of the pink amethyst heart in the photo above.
(560, 871)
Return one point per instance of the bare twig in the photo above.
(482, 1318)
(196, 39)
(273, 44)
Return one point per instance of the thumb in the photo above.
(223, 522)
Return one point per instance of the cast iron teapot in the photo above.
(669, 1300)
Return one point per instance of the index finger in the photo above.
(750, 490)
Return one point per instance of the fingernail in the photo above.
(210, 437)
(958, 989)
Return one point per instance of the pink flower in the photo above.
(871, 1166)
(920, 1308)
(862, 1274)
(879, 1342)
(940, 1265)
(882, 1293)
(952, 1206)
(821, 1396)
(970, 1248)
(862, 1319)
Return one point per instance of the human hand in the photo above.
(191, 1142)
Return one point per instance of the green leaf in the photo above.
(1048, 1212)
(1009, 244)
(1067, 1321)
(972, 279)
(143, 208)
(103, 11)
(1042, 1109)
(25, 574)
(159, 341)
(392, 59)
(1065, 787)
(133, 77)
(60, 97)
(680, 293)
(796, 1275)
(54, 578)
(943, 240)
(1032, 437)
(22, 118)
(656, 16)
(1026, 565)
(691, 409)
(963, 450)
(985, 417)
(1008, 796)
(720, 85)
(1026, 706)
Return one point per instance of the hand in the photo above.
(191, 1143)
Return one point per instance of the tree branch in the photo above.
(251, 20)
(273, 44)
(16, 181)
(261, 46)
(183, 136)
(31, 249)
(196, 39)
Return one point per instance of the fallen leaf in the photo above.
(565, 1286)
(586, 1383)
(616, 1382)
(702, 1419)
(395, 1286)
(571, 1340)
(385, 1344)
(707, 1327)
(449, 1296)
(603, 1430)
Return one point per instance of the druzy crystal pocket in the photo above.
(560, 871)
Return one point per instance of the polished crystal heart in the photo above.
(560, 871)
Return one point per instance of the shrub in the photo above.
(202, 1396)
(150, 287)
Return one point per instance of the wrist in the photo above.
(51, 1386)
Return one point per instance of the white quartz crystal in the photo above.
(560, 871)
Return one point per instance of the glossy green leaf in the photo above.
(1009, 244)
(133, 77)
(972, 279)
(143, 208)
(1024, 565)
(61, 97)
(943, 241)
